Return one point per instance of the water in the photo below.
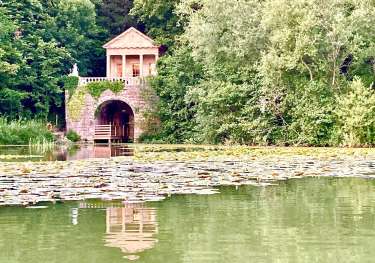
(305, 220)
(63, 153)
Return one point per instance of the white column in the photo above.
(141, 65)
(108, 66)
(156, 61)
(123, 65)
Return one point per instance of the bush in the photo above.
(73, 136)
(356, 115)
(23, 132)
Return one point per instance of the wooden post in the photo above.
(108, 66)
(110, 134)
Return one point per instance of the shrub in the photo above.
(22, 132)
(73, 136)
(356, 115)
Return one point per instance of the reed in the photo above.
(25, 132)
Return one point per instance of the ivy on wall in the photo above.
(76, 99)
(76, 102)
(96, 89)
(70, 83)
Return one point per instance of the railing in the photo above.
(127, 80)
(103, 132)
(112, 132)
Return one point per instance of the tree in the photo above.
(113, 15)
(159, 18)
(177, 74)
(39, 60)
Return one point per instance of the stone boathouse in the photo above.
(115, 115)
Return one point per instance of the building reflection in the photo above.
(98, 151)
(131, 228)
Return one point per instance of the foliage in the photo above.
(114, 16)
(272, 70)
(159, 18)
(73, 136)
(39, 42)
(287, 72)
(76, 29)
(23, 132)
(356, 115)
(176, 74)
(70, 83)
(76, 103)
(95, 89)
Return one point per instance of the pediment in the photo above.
(131, 38)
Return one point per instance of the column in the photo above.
(123, 65)
(156, 62)
(108, 66)
(141, 65)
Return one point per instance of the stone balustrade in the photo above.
(129, 81)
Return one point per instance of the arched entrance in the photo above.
(117, 116)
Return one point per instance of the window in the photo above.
(136, 70)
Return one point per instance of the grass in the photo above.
(25, 132)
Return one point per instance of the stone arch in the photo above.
(120, 114)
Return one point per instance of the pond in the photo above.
(304, 220)
(63, 153)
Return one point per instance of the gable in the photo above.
(131, 38)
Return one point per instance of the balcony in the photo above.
(128, 81)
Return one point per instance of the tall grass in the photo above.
(24, 132)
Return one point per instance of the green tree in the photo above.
(113, 15)
(159, 18)
(177, 73)
(39, 58)
(356, 115)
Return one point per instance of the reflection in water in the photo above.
(131, 228)
(64, 153)
(306, 220)
(99, 151)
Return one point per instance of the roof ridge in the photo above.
(107, 45)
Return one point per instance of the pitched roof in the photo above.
(131, 38)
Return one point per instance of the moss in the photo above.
(96, 89)
(76, 103)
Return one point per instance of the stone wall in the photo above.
(131, 95)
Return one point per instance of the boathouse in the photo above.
(131, 58)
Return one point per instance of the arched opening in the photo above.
(114, 118)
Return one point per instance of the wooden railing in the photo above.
(112, 132)
(127, 80)
(103, 132)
